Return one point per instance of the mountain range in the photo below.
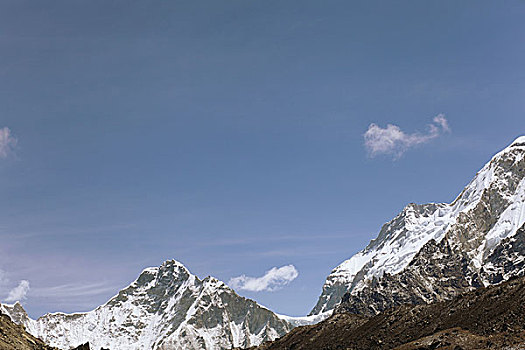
(166, 307)
(429, 253)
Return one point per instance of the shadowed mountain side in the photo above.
(485, 318)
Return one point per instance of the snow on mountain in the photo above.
(489, 210)
(305, 320)
(165, 308)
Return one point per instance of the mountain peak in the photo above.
(520, 141)
(173, 267)
(171, 271)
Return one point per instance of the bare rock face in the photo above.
(165, 308)
(507, 260)
(433, 252)
(411, 285)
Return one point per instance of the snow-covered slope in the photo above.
(305, 320)
(489, 210)
(165, 308)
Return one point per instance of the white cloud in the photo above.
(7, 142)
(442, 121)
(394, 141)
(19, 292)
(272, 280)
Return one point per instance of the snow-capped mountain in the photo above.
(165, 308)
(434, 251)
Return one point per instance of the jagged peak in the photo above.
(169, 272)
(174, 267)
(10, 305)
(169, 268)
(16, 306)
(15, 311)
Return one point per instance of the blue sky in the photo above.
(229, 135)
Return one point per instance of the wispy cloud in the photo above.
(235, 241)
(442, 121)
(24, 234)
(394, 141)
(272, 280)
(7, 142)
(75, 290)
(19, 292)
(3, 276)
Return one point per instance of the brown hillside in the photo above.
(487, 318)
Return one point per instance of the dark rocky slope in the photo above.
(486, 318)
